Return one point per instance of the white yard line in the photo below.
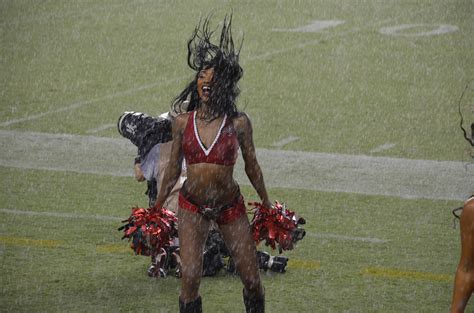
(383, 147)
(346, 238)
(279, 144)
(120, 219)
(164, 82)
(80, 104)
(62, 215)
(331, 172)
(68, 107)
(100, 128)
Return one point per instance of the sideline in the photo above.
(328, 172)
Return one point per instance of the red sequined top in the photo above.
(223, 150)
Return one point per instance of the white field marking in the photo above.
(383, 147)
(100, 128)
(437, 30)
(112, 218)
(282, 51)
(329, 172)
(63, 152)
(315, 27)
(155, 84)
(342, 237)
(313, 42)
(166, 82)
(285, 141)
(80, 104)
(62, 215)
(40, 115)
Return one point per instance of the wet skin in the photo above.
(213, 185)
(210, 184)
(464, 280)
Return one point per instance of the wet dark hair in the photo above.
(470, 140)
(224, 59)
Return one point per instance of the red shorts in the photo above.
(224, 215)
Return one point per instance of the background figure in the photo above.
(147, 134)
(153, 139)
(464, 280)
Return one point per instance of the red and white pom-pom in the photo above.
(150, 230)
(276, 226)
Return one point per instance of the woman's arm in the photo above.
(244, 130)
(173, 171)
(464, 280)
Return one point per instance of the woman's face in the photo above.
(204, 83)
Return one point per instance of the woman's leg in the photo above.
(464, 280)
(192, 232)
(238, 238)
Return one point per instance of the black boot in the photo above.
(253, 303)
(191, 307)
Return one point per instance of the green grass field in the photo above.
(333, 77)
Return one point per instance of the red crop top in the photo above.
(223, 150)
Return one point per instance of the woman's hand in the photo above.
(267, 203)
(157, 207)
(139, 173)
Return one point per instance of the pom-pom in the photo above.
(150, 230)
(277, 226)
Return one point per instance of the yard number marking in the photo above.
(403, 30)
(406, 30)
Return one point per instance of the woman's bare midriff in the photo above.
(211, 184)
